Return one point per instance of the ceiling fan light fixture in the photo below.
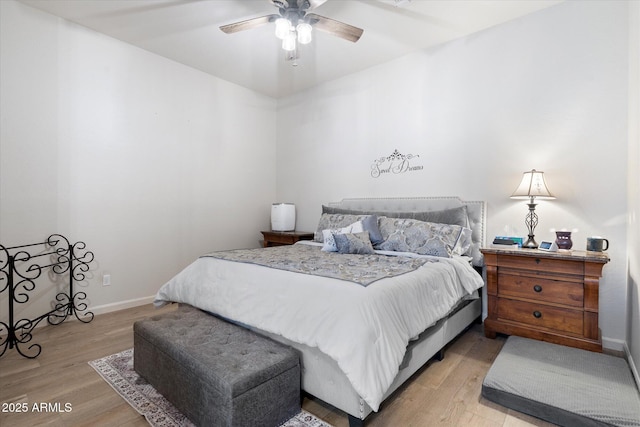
(294, 25)
(289, 42)
(283, 28)
(304, 33)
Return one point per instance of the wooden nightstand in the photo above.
(548, 296)
(279, 238)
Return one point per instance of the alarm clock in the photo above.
(548, 246)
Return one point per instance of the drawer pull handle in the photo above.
(537, 288)
(537, 260)
(537, 314)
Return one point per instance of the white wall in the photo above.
(633, 324)
(548, 91)
(149, 162)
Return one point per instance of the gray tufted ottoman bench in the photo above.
(217, 373)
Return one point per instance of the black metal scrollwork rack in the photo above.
(20, 267)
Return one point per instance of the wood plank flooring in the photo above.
(444, 393)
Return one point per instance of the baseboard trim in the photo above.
(105, 308)
(613, 344)
(632, 365)
(121, 305)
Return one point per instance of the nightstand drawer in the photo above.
(282, 239)
(543, 316)
(541, 264)
(541, 289)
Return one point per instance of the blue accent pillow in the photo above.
(328, 235)
(370, 224)
(356, 243)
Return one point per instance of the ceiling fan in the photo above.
(294, 24)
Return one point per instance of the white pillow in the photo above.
(464, 242)
(330, 243)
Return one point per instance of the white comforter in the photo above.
(364, 329)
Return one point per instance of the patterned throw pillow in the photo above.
(354, 243)
(334, 222)
(424, 238)
(329, 235)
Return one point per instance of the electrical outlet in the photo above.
(106, 280)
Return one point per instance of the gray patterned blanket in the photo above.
(307, 259)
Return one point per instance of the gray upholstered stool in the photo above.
(217, 373)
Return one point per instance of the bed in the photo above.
(357, 318)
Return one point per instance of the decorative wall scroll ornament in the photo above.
(395, 163)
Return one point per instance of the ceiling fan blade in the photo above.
(315, 3)
(297, 4)
(248, 24)
(337, 28)
(280, 4)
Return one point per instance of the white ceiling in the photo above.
(187, 31)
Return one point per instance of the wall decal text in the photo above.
(395, 163)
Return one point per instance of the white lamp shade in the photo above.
(289, 42)
(283, 217)
(304, 33)
(283, 28)
(532, 185)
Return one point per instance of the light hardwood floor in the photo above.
(443, 393)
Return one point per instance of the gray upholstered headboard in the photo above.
(476, 211)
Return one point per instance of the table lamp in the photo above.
(532, 185)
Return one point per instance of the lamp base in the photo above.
(530, 243)
(531, 220)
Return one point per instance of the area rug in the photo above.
(563, 385)
(117, 370)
